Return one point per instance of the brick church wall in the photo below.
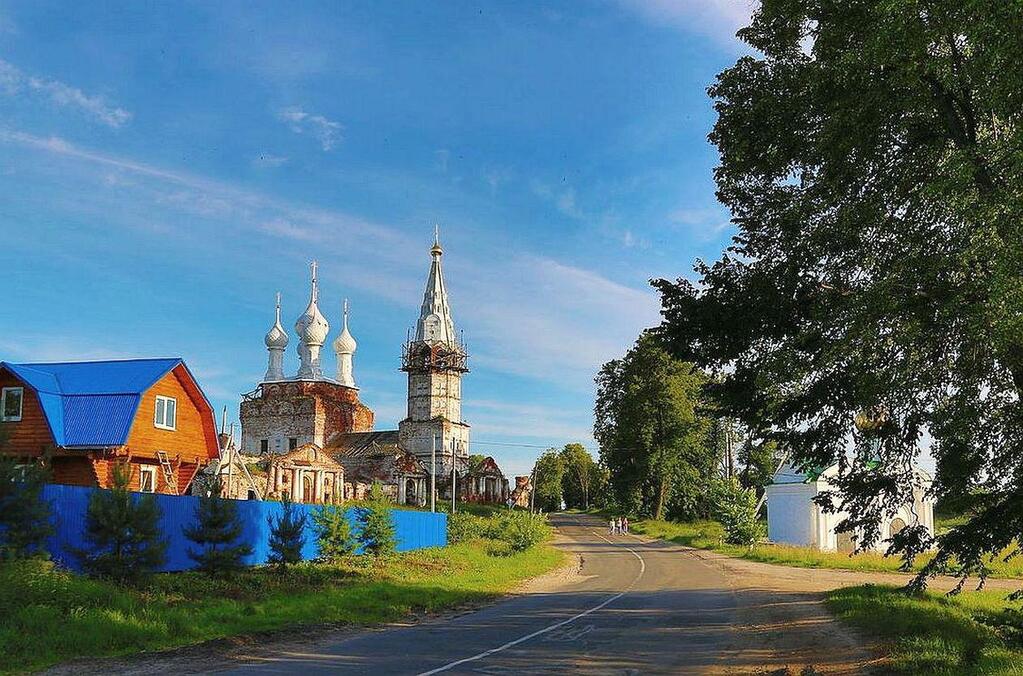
(307, 411)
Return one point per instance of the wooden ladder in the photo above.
(168, 471)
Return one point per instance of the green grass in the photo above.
(48, 616)
(710, 535)
(972, 633)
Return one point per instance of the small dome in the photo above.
(345, 343)
(277, 337)
(312, 326)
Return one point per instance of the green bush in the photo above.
(523, 530)
(463, 527)
(737, 512)
(520, 530)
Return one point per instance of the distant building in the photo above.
(520, 495)
(83, 418)
(284, 413)
(241, 476)
(794, 518)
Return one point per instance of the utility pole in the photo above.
(454, 486)
(433, 473)
(532, 489)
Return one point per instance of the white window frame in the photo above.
(3, 404)
(150, 470)
(162, 423)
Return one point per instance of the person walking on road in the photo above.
(610, 526)
(625, 525)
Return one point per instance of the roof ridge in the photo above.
(94, 361)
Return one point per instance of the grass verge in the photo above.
(710, 535)
(48, 616)
(972, 633)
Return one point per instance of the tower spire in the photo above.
(435, 323)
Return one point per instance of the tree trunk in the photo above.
(661, 492)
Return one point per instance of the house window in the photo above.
(292, 443)
(166, 413)
(264, 445)
(10, 404)
(147, 479)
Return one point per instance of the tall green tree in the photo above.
(871, 157)
(547, 476)
(581, 476)
(653, 436)
(216, 531)
(122, 531)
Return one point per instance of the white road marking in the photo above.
(541, 632)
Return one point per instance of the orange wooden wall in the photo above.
(194, 440)
(32, 435)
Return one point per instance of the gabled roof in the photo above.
(355, 444)
(93, 403)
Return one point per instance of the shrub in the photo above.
(333, 534)
(376, 530)
(123, 531)
(522, 530)
(737, 511)
(463, 527)
(24, 514)
(217, 527)
(286, 536)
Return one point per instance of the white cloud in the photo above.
(563, 200)
(526, 315)
(288, 230)
(327, 132)
(717, 19)
(13, 82)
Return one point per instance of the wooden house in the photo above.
(82, 418)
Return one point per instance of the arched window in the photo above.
(895, 526)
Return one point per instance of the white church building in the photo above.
(794, 518)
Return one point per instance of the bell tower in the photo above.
(435, 360)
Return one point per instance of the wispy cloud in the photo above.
(565, 320)
(563, 199)
(14, 82)
(327, 132)
(704, 222)
(717, 19)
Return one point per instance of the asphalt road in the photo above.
(638, 608)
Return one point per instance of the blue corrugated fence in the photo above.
(414, 530)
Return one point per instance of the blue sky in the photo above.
(166, 168)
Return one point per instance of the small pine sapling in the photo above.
(376, 529)
(216, 529)
(287, 536)
(123, 531)
(333, 533)
(24, 513)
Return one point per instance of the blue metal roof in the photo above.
(91, 403)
